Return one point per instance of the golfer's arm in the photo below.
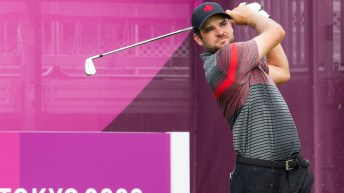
(270, 33)
(278, 65)
(268, 41)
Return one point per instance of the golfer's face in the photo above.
(216, 33)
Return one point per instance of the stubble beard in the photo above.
(214, 49)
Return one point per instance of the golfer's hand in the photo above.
(241, 15)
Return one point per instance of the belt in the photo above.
(286, 164)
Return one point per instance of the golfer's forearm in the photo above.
(270, 33)
(278, 75)
(278, 65)
(276, 57)
(263, 24)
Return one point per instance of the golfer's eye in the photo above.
(208, 30)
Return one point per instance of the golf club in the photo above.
(89, 65)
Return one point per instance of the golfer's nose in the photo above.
(219, 31)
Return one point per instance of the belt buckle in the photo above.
(287, 167)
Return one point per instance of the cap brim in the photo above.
(205, 19)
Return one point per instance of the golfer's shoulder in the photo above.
(238, 49)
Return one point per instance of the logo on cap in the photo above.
(208, 8)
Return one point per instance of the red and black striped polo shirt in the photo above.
(259, 117)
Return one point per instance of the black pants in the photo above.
(256, 179)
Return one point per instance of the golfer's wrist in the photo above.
(259, 22)
(254, 20)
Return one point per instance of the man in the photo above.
(265, 137)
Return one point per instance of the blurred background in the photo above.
(160, 86)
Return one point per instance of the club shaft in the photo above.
(144, 42)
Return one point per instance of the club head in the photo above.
(90, 69)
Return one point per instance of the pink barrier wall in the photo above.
(85, 162)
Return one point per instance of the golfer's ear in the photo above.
(198, 39)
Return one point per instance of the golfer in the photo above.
(244, 77)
